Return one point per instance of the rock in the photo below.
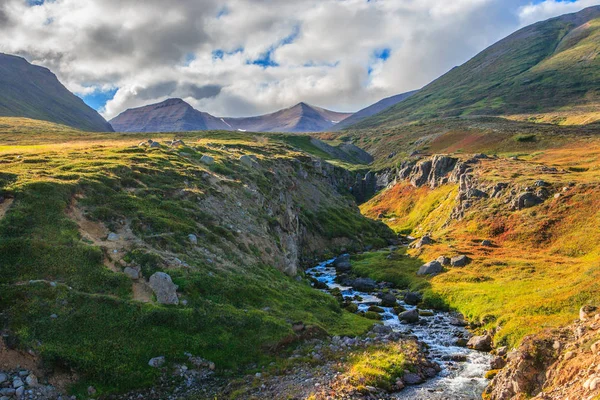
(410, 317)
(208, 160)
(431, 268)
(413, 298)
(112, 237)
(31, 380)
(157, 362)
(342, 263)
(382, 329)
(364, 284)
(388, 300)
(595, 347)
(132, 273)
(481, 343)
(7, 392)
(587, 312)
(425, 240)
(376, 309)
(164, 288)
(91, 390)
(541, 183)
(17, 383)
(486, 243)
(502, 351)
(459, 261)
(154, 144)
(176, 143)
(525, 200)
(443, 260)
(193, 238)
(298, 327)
(411, 378)
(19, 392)
(498, 363)
(247, 161)
(3, 378)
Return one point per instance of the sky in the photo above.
(249, 57)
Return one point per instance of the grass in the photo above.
(240, 303)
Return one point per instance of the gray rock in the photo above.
(459, 261)
(364, 284)
(156, 362)
(193, 238)
(247, 161)
(411, 378)
(154, 145)
(208, 160)
(3, 378)
(486, 243)
(112, 237)
(443, 260)
(413, 298)
(411, 316)
(7, 392)
(525, 200)
(164, 288)
(175, 143)
(425, 240)
(540, 183)
(31, 380)
(19, 392)
(431, 268)
(342, 263)
(498, 363)
(388, 300)
(382, 329)
(17, 383)
(132, 273)
(481, 343)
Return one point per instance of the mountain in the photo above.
(373, 109)
(172, 115)
(34, 92)
(300, 118)
(548, 67)
(175, 115)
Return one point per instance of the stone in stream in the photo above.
(431, 268)
(342, 263)
(388, 300)
(481, 343)
(164, 288)
(459, 261)
(364, 284)
(410, 317)
(412, 378)
(413, 298)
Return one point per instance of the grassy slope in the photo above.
(235, 310)
(544, 263)
(546, 67)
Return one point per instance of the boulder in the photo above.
(112, 237)
(411, 316)
(154, 144)
(388, 300)
(481, 343)
(498, 363)
(443, 260)
(525, 200)
(247, 161)
(411, 378)
(3, 378)
(164, 288)
(413, 298)
(431, 268)
(132, 273)
(364, 284)
(486, 243)
(425, 240)
(459, 261)
(208, 160)
(342, 263)
(31, 380)
(193, 238)
(156, 362)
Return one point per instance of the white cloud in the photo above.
(321, 51)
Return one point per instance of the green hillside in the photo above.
(549, 67)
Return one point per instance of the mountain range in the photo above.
(34, 92)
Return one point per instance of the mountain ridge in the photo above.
(31, 91)
(501, 79)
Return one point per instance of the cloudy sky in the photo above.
(247, 57)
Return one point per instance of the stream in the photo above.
(462, 369)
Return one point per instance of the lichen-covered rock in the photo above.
(431, 268)
(164, 288)
(459, 261)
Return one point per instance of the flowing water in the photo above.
(458, 380)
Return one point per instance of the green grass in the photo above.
(379, 366)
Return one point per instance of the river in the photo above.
(462, 369)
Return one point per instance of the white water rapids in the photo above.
(458, 380)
